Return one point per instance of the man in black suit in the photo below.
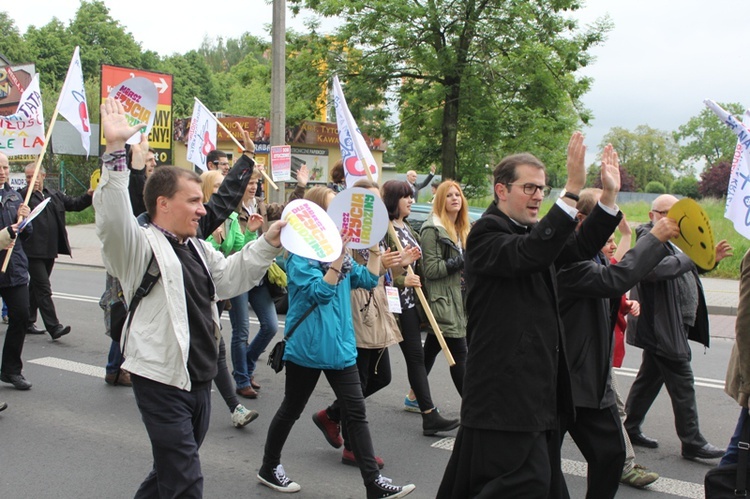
(590, 292)
(48, 240)
(517, 383)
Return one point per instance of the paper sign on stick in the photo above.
(310, 232)
(696, 238)
(281, 163)
(34, 213)
(139, 98)
(362, 213)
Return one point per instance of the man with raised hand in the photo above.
(517, 385)
(171, 345)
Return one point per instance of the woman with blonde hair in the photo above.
(443, 238)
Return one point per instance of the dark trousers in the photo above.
(223, 379)
(457, 347)
(490, 464)
(677, 375)
(598, 435)
(374, 367)
(299, 385)
(176, 422)
(40, 292)
(411, 347)
(17, 300)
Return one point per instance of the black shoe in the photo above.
(433, 422)
(382, 487)
(708, 451)
(642, 440)
(59, 331)
(32, 329)
(17, 380)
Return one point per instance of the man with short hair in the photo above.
(517, 385)
(218, 160)
(590, 292)
(673, 310)
(171, 346)
(42, 247)
(411, 178)
(14, 283)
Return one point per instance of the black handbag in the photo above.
(730, 480)
(276, 356)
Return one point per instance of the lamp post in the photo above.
(278, 82)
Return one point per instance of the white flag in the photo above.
(738, 191)
(23, 132)
(353, 145)
(202, 135)
(72, 104)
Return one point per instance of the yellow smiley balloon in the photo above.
(94, 180)
(696, 238)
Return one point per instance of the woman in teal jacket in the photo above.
(323, 341)
(443, 237)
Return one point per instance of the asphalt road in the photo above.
(72, 436)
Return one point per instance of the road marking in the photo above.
(706, 382)
(69, 365)
(669, 486)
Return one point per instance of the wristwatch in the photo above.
(570, 195)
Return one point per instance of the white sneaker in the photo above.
(242, 416)
(277, 480)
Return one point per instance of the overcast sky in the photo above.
(658, 64)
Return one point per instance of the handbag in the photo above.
(730, 480)
(276, 356)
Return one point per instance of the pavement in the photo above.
(722, 295)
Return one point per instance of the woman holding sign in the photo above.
(323, 341)
(397, 196)
(443, 238)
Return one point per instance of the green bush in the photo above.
(80, 217)
(686, 186)
(655, 187)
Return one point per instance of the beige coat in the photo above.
(738, 372)
(375, 327)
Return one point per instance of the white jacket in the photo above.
(158, 340)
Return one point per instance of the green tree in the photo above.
(193, 78)
(648, 154)
(487, 75)
(12, 44)
(686, 186)
(706, 138)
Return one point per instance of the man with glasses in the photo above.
(218, 160)
(517, 385)
(673, 310)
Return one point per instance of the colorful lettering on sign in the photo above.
(130, 103)
(307, 225)
(359, 218)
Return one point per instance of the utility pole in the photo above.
(278, 83)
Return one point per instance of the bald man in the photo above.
(673, 310)
(411, 178)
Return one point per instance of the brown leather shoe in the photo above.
(122, 380)
(247, 392)
(255, 385)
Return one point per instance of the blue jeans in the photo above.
(244, 356)
(730, 457)
(114, 359)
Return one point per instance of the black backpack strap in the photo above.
(147, 283)
(742, 455)
(304, 316)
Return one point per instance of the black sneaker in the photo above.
(277, 480)
(382, 487)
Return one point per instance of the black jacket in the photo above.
(516, 372)
(17, 273)
(660, 329)
(586, 289)
(50, 237)
(227, 198)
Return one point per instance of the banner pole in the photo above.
(276, 187)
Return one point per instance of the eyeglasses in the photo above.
(660, 212)
(530, 189)
(221, 163)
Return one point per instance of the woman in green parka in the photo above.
(443, 238)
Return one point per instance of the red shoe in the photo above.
(330, 428)
(348, 458)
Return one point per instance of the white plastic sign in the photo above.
(310, 232)
(360, 212)
(139, 98)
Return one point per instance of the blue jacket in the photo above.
(325, 338)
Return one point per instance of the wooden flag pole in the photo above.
(276, 187)
(31, 185)
(420, 293)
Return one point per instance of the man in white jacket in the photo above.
(171, 346)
